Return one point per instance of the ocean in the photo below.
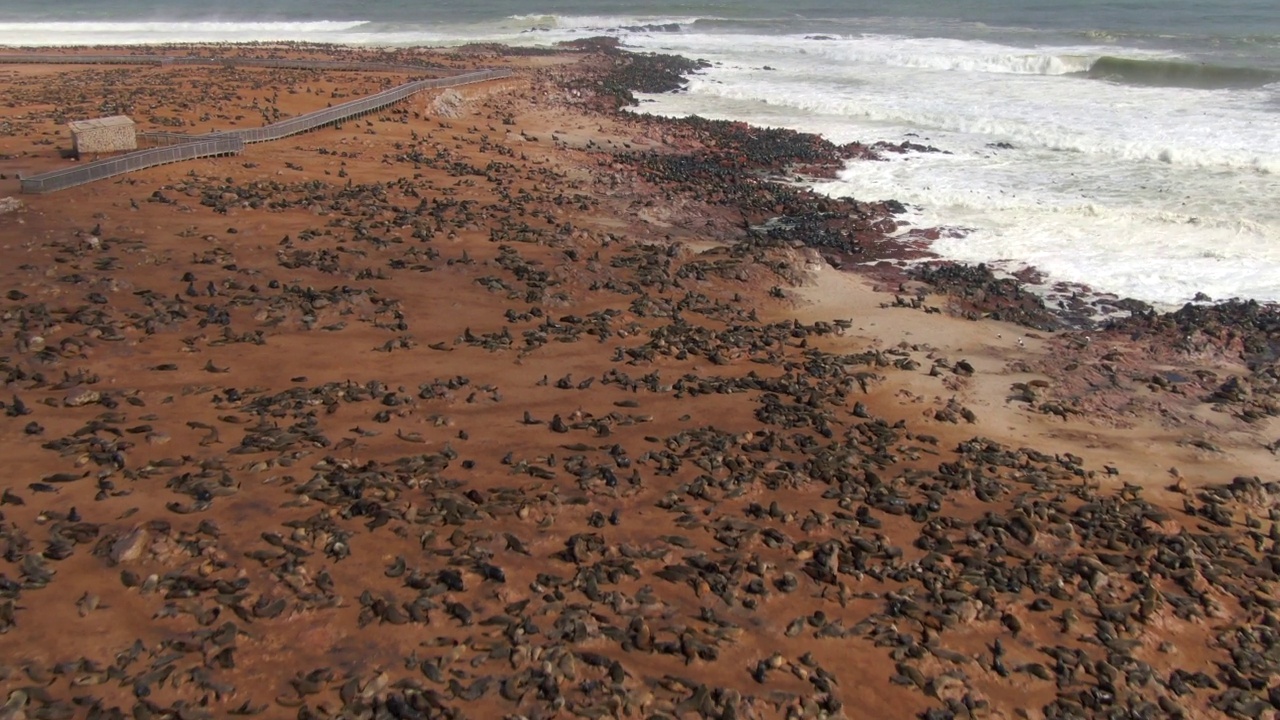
(1131, 147)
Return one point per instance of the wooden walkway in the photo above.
(189, 147)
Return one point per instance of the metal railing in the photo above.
(188, 147)
(330, 115)
(110, 167)
(287, 64)
(355, 108)
(156, 137)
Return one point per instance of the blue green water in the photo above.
(1245, 29)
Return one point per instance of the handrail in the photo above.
(334, 114)
(233, 141)
(285, 63)
(355, 108)
(166, 138)
(102, 169)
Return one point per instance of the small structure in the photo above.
(448, 104)
(103, 135)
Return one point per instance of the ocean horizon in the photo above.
(1133, 148)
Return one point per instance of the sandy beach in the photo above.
(510, 402)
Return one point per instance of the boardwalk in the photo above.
(353, 109)
(189, 147)
(110, 167)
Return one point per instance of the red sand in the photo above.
(333, 495)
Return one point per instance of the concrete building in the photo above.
(103, 135)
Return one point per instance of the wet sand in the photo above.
(505, 403)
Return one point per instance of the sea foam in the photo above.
(1133, 170)
(46, 34)
(1144, 191)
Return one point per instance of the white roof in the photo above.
(102, 122)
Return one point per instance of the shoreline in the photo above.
(1079, 306)
(509, 403)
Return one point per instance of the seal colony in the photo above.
(219, 143)
(509, 403)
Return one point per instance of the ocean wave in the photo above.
(1145, 71)
(43, 34)
(1011, 62)
(1238, 149)
(519, 29)
(1131, 66)
(603, 23)
(1119, 36)
(1166, 256)
(1178, 73)
(939, 54)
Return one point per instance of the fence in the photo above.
(188, 147)
(154, 138)
(102, 169)
(287, 64)
(330, 115)
(355, 108)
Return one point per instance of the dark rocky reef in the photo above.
(1245, 328)
(628, 73)
(977, 292)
